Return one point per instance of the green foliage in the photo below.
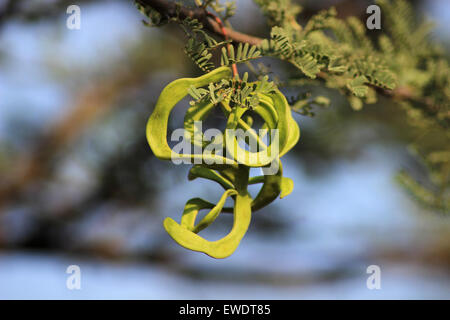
(346, 59)
(426, 195)
(239, 92)
(155, 18)
(224, 10)
(280, 12)
(304, 104)
(423, 71)
(200, 46)
(401, 59)
(243, 53)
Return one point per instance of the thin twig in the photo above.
(225, 35)
(170, 9)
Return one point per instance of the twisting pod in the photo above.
(170, 96)
(230, 171)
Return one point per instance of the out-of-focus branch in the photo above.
(8, 9)
(90, 104)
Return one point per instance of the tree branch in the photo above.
(170, 9)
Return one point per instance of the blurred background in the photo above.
(80, 186)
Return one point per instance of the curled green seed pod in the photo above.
(231, 171)
(221, 248)
(170, 96)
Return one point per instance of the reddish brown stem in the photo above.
(225, 35)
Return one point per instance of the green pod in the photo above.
(287, 184)
(191, 209)
(218, 249)
(292, 129)
(158, 122)
(197, 112)
(199, 171)
(275, 120)
(231, 174)
(270, 189)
